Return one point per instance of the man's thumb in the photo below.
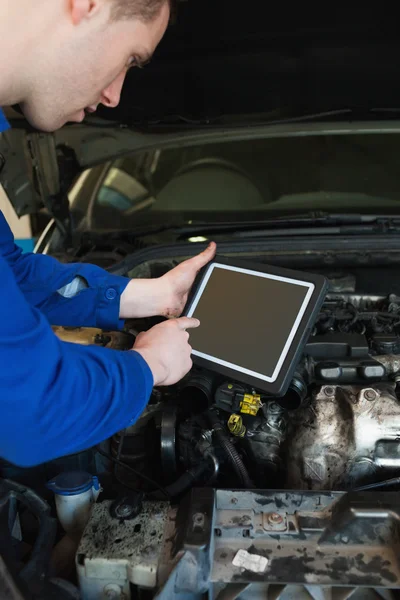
(187, 323)
(204, 257)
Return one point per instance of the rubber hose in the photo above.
(183, 483)
(230, 451)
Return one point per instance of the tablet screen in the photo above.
(248, 319)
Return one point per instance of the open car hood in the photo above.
(224, 68)
(229, 60)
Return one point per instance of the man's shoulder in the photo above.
(4, 124)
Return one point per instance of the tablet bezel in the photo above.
(278, 383)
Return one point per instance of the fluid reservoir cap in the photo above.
(386, 344)
(73, 483)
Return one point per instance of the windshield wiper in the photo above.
(334, 114)
(329, 223)
(312, 223)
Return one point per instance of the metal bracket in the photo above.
(50, 168)
(46, 178)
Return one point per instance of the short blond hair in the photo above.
(144, 10)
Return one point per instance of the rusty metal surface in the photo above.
(89, 336)
(346, 436)
(264, 591)
(334, 544)
(332, 538)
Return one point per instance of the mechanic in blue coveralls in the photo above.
(62, 58)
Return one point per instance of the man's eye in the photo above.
(132, 62)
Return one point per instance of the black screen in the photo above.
(246, 319)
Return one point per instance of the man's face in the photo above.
(84, 63)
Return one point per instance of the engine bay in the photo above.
(213, 467)
(337, 427)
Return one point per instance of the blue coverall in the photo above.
(58, 398)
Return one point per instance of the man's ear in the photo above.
(82, 9)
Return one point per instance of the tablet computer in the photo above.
(255, 320)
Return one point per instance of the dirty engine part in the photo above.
(219, 541)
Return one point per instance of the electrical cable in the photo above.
(230, 451)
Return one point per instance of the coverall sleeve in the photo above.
(58, 398)
(39, 278)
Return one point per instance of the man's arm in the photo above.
(43, 280)
(58, 398)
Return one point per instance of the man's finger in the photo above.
(187, 323)
(204, 257)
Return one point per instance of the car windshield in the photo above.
(243, 180)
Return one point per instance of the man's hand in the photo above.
(179, 281)
(167, 295)
(165, 348)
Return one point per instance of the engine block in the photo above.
(345, 437)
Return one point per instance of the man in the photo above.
(60, 58)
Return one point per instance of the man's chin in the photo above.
(49, 123)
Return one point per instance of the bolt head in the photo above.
(275, 518)
(112, 591)
(198, 518)
(345, 539)
(370, 395)
(329, 391)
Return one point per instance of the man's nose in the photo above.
(111, 95)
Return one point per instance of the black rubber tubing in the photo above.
(183, 483)
(230, 451)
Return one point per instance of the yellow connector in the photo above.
(251, 404)
(235, 426)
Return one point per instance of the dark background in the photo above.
(227, 57)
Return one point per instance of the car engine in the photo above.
(214, 472)
(338, 426)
